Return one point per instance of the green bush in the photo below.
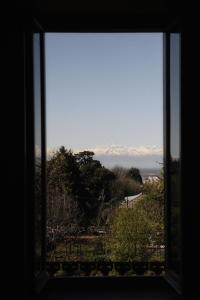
(130, 235)
(133, 230)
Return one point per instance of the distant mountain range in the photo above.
(129, 156)
(126, 150)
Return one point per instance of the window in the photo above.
(104, 105)
(171, 96)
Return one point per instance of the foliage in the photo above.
(84, 157)
(134, 230)
(130, 234)
(134, 173)
(125, 184)
(78, 187)
(84, 194)
(63, 187)
(119, 171)
(153, 201)
(129, 186)
(81, 191)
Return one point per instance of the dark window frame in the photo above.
(171, 276)
(130, 281)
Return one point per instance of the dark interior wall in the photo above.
(190, 159)
(64, 15)
(55, 15)
(102, 7)
(13, 209)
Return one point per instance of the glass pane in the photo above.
(175, 152)
(105, 154)
(38, 145)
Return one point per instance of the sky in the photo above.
(104, 92)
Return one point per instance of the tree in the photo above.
(134, 173)
(119, 171)
(84, 157)
(96, 181)
(126, 184)
(129, 186)
(152, 203)
(63, 187)
(78, 187)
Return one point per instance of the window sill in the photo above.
(141, 287)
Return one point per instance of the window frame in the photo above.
(35, 281)
(171, 276)
(123, 281)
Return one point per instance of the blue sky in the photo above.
(105, 92)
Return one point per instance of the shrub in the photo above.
(129, 236)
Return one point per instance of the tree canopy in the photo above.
(81, 190)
